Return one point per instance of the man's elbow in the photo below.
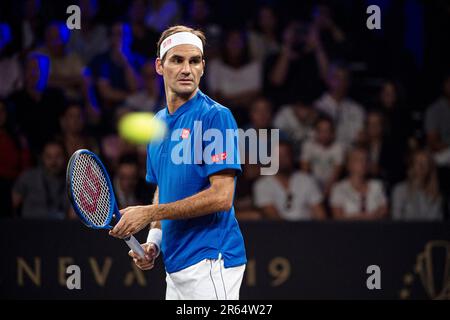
(225, 203)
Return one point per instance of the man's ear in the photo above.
(204, 64)
(158, 66)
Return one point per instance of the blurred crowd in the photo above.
(364, 116)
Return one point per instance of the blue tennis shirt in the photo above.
(198, 143)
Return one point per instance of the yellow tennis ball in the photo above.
(141, 127)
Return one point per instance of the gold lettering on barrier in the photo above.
(100, 275)
(63, 263)
(137, 274)
(34, 274)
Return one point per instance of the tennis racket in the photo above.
(92, 196)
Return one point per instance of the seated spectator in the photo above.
(37, 107)
(297, 122)
(288, 195)
(331, 35)
(9, 63)
(73, 133)
(162, 14)
(66, 68)
(40, 193)
(437, 125)
(148, 97)
(144, 38)
(92, 39)
(385, 158)
(126, 182)
(323, 156)
(390, 103)
(263, 40)
(356, 197)
(346, 113)
(235, 79)
(418, 198)
(15, 157)
(115, 71)
(258, 146)
(298, 69)
(243, 201)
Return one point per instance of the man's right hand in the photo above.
(148, 261)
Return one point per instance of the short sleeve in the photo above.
(221, 144)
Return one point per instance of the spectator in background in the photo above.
(356, 197)
(66, 68)
(144, 38)
(418, 198)
(331, 35)
(288, 195)
(323, 156)
(162, 14)
(235, 79)
(148, 97)
(15, 157)
(437, 125)
(390, 102)
(243, 201)
(37, 107)
(125, 183)
(200, 16)
(9, 64)
(40, 193)
(346, 113)
(263, 40)
(92, 39)
(384, 157)
(298, 69)
(297, 122)
(115, 71)
(73, 134)
(31, 28)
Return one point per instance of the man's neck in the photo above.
(174, 101)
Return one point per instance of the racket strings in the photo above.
(91, 190)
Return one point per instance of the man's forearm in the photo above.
(200, 204)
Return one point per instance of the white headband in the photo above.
(177, 39)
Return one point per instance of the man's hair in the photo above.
(175, 29)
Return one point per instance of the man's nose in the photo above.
(186, 70)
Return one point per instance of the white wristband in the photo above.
(155, 236)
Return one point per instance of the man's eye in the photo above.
(195, 61)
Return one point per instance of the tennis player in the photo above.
(192, 216)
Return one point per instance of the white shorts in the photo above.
(206, 280)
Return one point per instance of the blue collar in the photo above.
(185, 106)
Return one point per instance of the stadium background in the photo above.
(59, 89)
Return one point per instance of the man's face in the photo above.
(182, 69)
(325, 133)
(53, 159)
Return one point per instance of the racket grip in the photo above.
(135, 246)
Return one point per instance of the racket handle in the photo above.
(135, 246)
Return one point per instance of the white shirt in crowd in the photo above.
(347, 115)
(287, 121)
(344, 196)
(408, 205)
(304, 194)
(231, 81)
(322, 160)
